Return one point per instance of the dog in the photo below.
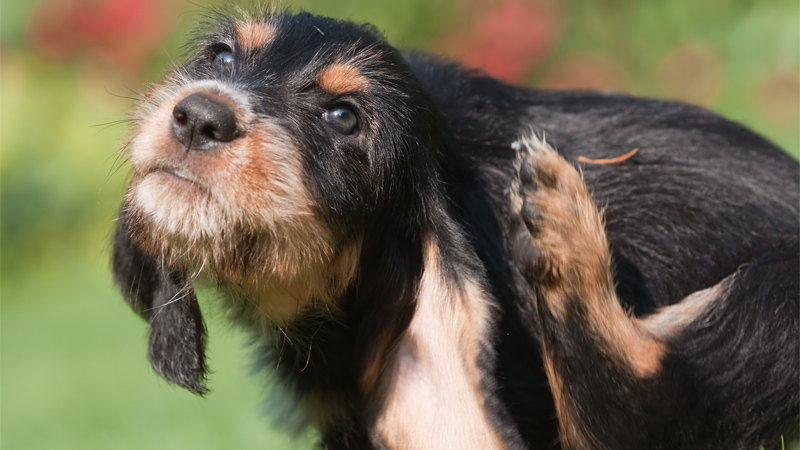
(420, 254)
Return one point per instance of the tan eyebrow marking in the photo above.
(252, 35)
(342, 78)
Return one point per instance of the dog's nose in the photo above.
(202, 123)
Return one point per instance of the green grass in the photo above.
(75, 375)
(794, 444)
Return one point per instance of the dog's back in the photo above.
(701, 193)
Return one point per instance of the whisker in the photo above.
(136, 99)
(180, 295)
(139, 95)
(120, 158)
(310, 346)
(111, 123)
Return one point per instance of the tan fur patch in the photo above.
(434, 400)
(668, 321)
(574, 261)
(253, 35)
(342, 79)
(282, 297)
(371, 374)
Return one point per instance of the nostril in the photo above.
(202, 123)
(211, 132)
(180, 117)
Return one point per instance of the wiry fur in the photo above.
(426, 282)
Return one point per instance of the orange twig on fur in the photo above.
(616, 160)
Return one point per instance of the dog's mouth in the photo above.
(174, 173)
(177, 178)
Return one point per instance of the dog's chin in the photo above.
(176, 206)
(187, 229)
(176, 221)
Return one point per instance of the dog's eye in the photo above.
(342, 119)
(224, 59)
(221, 56)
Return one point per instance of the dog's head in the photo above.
(261, 165)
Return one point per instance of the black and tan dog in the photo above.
(424, 271)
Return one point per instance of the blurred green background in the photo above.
(74, 374)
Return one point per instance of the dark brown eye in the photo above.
(342, 119)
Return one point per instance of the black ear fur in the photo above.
(169, 304)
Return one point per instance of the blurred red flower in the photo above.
(120, 33)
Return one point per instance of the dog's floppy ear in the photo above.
(168, 303)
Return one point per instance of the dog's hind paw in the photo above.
(562, 246)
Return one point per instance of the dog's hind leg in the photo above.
(718, 369)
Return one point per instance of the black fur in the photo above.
(704, 198)
(167, 302)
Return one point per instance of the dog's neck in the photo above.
(419, 362)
